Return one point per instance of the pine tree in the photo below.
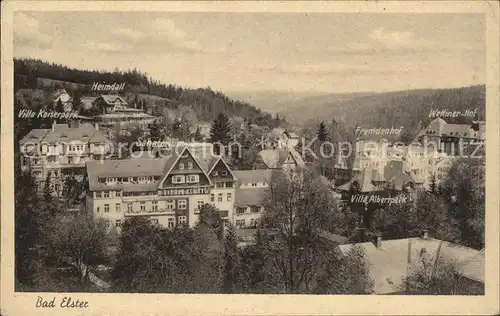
(231, 262)
(155, 132)
(47, 192)
(322, 132)
(220, 131)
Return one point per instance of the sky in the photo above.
(240, 51)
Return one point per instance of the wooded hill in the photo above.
(37, 74)
(402, 108)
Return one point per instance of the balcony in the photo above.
(149, 212)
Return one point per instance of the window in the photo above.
(240, 223)
(181, 166)
(182, 220)
(170, 204)
(106, 208)
(154, 221)
(118, 207)
(200, 204)
(215, 174)
(178, 179)
(253, 222)
(105, 194)
(219, 184)
(229, 197)
(212, 197)
(98, 209)
(224, 173)
(129, 207)
(241, 210)
(118, 223)
(70, 159)
(182, 204)
(118, 193)
(192, 178)
(229, 184)
(224, 213)
(171, 222)
(219, 197)
(155, 206)
(254, 209)
(143, 206)
(190, 165)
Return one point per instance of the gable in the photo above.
(290, 159)
(184, 164)
(221, 171)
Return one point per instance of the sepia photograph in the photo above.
(310, 154)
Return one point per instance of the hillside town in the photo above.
(115, 164)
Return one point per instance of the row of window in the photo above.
(223, 184)
(220, 197)
(243, 223)
(137, 179)
(242, 210)
(182, 220)
(190, 178)
(183, 165)
(183, 191)
(107, 194)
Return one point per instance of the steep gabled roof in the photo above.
(275, 158)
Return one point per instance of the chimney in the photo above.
(378, 241)
(97, 126)
(425, 234)
(53, 126)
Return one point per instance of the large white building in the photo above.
(61, 151)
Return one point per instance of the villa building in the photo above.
(61, 151)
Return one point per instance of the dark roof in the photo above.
(123, 168)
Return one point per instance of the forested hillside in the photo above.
(407, 109)
(207, 104)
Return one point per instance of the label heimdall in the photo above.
(102, 86)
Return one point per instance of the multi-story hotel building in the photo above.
(453, 139)
(168, 190)
(61, 151)
(115, 112)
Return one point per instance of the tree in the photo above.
(80, 242)
(433, 188)
(464, 191)
(220, 131)
(197, 135)
(77, 102)
(231, 261)
(347, 274)
(29, 223)
(300, 208)
(322, 133)
(155, 132)
(59, 106)
(437, 276)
